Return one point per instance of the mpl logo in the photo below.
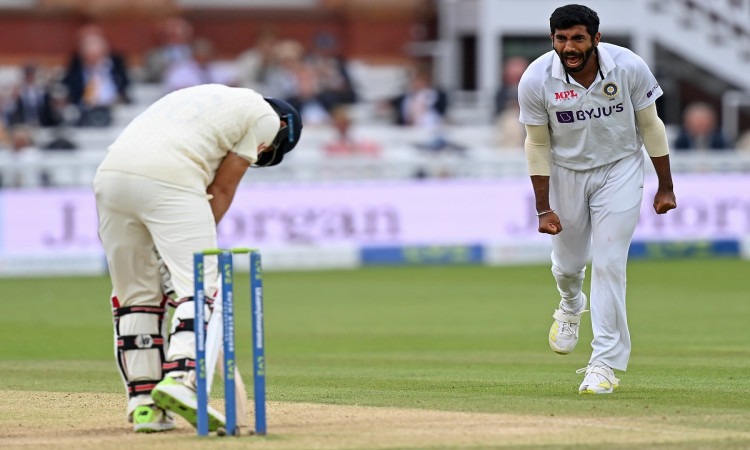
(565, 95)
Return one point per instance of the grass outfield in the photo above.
(470, 339)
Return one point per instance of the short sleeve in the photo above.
(644, 89)
(532, 106)
(266, 129)
(263, 133)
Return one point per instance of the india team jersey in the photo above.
(589, 127)
(183, 137)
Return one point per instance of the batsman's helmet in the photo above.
(288, 135)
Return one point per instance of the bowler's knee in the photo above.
(577, 273)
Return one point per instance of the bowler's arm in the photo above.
(539, 156)
(654, 136)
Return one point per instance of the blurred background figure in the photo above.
(96, 78)
(255, 63)
(4, 135)
(200, 68)
(509, 132)
(176, 46)
(31, 101)
(27, 157)
(335, 84)
(700, 130)
(294, 80)
(423, 106)
(507, 94)
(345, 144)
(743, 143)
(384, 62)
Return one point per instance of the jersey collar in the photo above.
(606, 63)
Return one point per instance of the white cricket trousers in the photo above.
(136, 215)
(598, 210)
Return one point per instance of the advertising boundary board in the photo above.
(344, 225)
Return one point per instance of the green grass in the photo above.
(448, 338)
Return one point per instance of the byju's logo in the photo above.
(588, 114)
(566, 116)
(652, 91)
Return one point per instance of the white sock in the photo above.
(572, 306)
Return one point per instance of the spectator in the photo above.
(507, 95)
(330, 67)
(699, 129)
(21, 138)
(294, 80)
(201, 68)
(96, 79)
(27, 158)
(345, 144)
(422, 105)
(31, 102)
(743, 143)
(5, 140)
(177, 38)
(509, 132)
(254, 64)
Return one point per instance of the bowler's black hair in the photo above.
(569, 16)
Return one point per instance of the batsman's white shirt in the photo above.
(183, 137)
(589, 127)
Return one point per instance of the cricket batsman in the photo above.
(164, 185)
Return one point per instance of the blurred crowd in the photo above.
(313, 76)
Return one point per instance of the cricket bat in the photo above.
(240, 392)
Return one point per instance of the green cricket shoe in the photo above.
(173, 395)
(152, 419)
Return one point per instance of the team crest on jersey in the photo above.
(611, 90)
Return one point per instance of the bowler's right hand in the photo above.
(549, 223)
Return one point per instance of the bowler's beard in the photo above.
(585, 57)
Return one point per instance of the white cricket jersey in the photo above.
(184, 136)
(589, 127)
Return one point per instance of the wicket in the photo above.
(225, 267)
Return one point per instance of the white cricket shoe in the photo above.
(599, 379)
(563, 334)
(177, 396)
